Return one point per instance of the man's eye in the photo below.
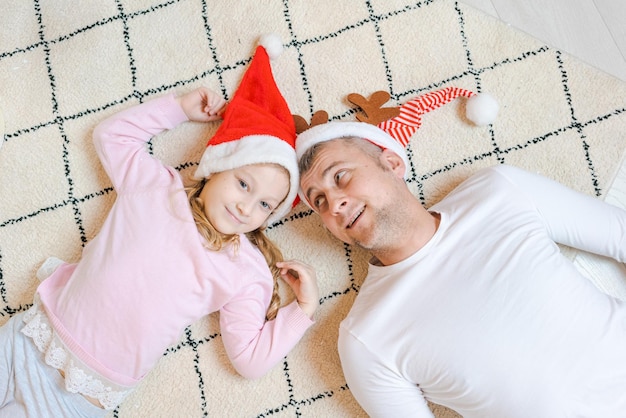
(338, 176)
(318, 201)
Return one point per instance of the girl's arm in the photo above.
(301, 278)
(120, 140)
(254, 345)
(202, 105)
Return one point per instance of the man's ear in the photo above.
(393, 161)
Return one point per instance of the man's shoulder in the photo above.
(495, 173)
(484, 184)
(369, 311)
(361, 309)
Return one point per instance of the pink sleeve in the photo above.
(120, 142)
(253, 345)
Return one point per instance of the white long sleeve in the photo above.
(572, 218)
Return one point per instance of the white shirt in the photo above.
(489, 318)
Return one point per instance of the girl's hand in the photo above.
(202, 105)
(301, 278)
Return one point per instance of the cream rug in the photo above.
(66, 64)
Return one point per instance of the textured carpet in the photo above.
(66, 65)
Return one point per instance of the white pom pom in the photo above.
(482, 109)
(272, 44)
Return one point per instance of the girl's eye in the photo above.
(243, 184)
(266, 206)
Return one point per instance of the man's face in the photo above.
(352, 190)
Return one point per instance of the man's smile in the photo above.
(355, 217)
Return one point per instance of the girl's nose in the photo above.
(244, 208)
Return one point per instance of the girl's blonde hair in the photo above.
(215, 240)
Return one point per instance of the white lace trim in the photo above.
(78, 377)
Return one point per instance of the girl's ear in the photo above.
(393, 161)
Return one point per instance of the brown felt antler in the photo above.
(372, 107)
(319, 118)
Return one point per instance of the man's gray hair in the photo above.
(367, 147)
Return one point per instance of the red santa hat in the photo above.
(257, 126)
(394, 134)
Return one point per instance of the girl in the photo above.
(167, 256)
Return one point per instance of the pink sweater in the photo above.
(146, 275)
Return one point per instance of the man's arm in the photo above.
(573, 218)
(380, 391)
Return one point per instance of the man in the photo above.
(469, 304)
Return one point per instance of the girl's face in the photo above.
(240, 200)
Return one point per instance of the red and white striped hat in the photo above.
(394, 134)
(481, 109)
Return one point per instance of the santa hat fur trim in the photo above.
(333, 130)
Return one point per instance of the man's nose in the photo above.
(337, 202)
